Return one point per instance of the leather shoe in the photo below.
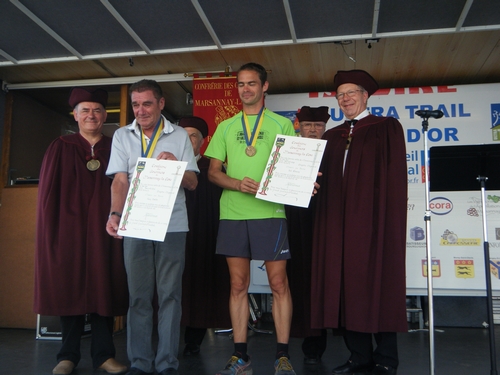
(65, 367)
(191, 349)
(353, 368)
(136, 371)
(384, 370)
(112, 366)
(312, 360)
(169, 371)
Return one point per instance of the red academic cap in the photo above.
(357, 77)
(313, 114)
(195, 122)
(87, 94)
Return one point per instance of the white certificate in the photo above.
(291, 170)
(151, 198)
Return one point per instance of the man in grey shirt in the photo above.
(151, 264)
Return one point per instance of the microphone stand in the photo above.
(486, 247)
(427, 218)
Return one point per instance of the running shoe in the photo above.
(283, 367)
(237, 366)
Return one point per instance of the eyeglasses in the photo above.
(349, 94)
(309, 125)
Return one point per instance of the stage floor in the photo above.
(458, 351)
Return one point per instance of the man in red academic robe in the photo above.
(205, 281)
(358, 281)
(79, 268)
(312, 124)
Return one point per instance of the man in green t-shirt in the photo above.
(251, 228)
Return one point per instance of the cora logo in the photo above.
(440, 206)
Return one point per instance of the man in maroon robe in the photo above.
(312, 124)
(205, 281)
(79, 268)
(358, 278)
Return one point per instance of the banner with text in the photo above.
(215, 99)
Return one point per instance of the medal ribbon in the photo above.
(147, 150)
(246, 127)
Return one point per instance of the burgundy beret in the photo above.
(357, 77)
(195, 122)
(87, 94)
(313, 114)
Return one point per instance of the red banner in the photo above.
(215, 99)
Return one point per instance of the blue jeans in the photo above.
(149, 264)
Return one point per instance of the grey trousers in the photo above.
(149, 264)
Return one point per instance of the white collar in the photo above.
(167, 127)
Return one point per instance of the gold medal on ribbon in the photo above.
(93, 165)
(251, 137)
(148, 148)
(250, 151)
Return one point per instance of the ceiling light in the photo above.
(371, 41)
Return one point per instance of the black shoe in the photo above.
(384, 370)
(352, 368)
(169, 371)
(312, 360)
(136, 371)
(191, 349)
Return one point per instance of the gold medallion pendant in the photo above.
(93, 165)
(250, 151)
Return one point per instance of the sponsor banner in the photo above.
(471, 116)
(215, 99)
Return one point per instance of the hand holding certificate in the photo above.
(291, 170)
(151, 198)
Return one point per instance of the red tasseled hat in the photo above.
(195, 122)
(357, 77)
(88, 94)
(313, 114)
